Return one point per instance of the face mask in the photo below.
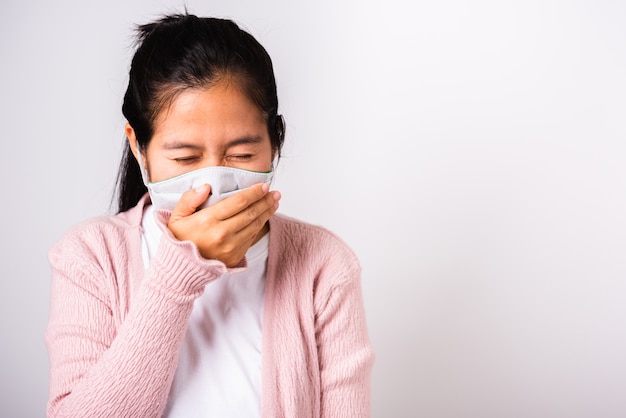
(224, 181)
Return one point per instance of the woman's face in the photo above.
(218, 126)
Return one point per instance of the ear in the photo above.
(280, 130)
(138, 153)
(132, 140)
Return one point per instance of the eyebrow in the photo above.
(176, 145)
(245, 140)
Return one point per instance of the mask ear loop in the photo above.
(142, 168)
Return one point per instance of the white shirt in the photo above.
(219, 367)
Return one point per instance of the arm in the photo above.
(345, 355)
(100, 367)
(119, 361)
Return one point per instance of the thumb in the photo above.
(190, 201)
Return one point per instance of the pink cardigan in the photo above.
(115, 329)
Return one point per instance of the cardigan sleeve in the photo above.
(345, 355)
(107, 364)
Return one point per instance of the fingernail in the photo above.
(200, 189)
(265, 187)
(276, 196)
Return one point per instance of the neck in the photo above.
(262, 232)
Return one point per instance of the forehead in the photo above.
(224, 98)
(219, 110)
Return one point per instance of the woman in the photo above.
(196, 299)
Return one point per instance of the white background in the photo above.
(471, 152)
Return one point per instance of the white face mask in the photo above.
(224, 181)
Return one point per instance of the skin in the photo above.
(218, 126)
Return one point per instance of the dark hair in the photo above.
(183, 51)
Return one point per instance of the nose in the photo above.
(213, 160)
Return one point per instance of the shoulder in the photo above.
(307, 244)
(98, 235)
(307, 235)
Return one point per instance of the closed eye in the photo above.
(240, 157)
(186, 160)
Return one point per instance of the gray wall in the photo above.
(472, 153)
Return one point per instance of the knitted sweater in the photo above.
(115, 328)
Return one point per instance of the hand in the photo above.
(226, 230)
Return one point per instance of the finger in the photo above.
(249, 231)
(236, 203)
(255, 215)
(190, 201)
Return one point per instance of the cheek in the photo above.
(265, 162)
(160, 168)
